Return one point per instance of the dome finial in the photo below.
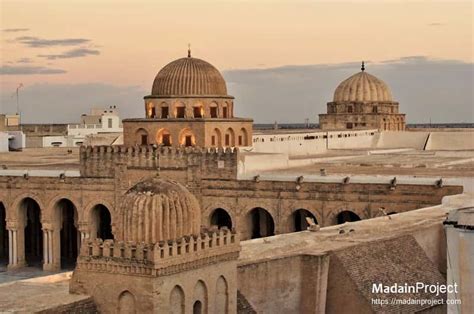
(362, 67)
(189, 50)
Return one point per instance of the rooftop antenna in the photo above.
(18, 98)
(363, 66)
(189, 50)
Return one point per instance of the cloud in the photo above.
(24, 60)
(15, 30)
(435, 24)
(75, 53)
(36, 42)
(28, 70)
(425, 88)
(64, 103)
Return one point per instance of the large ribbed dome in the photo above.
(189, 77)
(158, 210)
(362, 87)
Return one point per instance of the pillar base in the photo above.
(16, 266)
(51, 267)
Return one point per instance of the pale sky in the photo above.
(125, 43)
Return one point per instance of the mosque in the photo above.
(157, 224)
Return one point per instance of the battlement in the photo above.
(163, 258)
(100, 161)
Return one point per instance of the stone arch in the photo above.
(225, 110)
(65, 234)
(346, 216)
(187, 137)
(126, 303)
(163, 137)
(298, 222)
(222, 296)
(216, 138)
(164, 110)
(213, 110)
(229, 138)
(179, 110)
(150, 109)
(141, 137)
(198, 110)
(260, 223)
(15, 205)
(220, 218)
(200, 298)
(30, 233)
(100, 222)
(3, 235)
(177, 300)
(243, 139)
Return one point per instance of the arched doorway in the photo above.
(298, 219)
(260, 223)
(33, 235)
(221, 218)
(141, 137)
(197, 307)
(3, 236)
(101, 223)
(66, 221)
(347, 216)
(177, 300)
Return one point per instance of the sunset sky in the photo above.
(125, 43)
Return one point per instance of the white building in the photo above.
(99, 121)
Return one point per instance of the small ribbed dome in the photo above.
(158, 210)
(189, 77)
(362, 87)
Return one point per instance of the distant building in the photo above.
(99, 121)
(11, 138)
(362, 102)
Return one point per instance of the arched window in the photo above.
(243, 137)
(187, 138)
(347, 216)
(229, 138)
(198, 111)
(299, 220)
(221, 218)
(260, 223)
(216, 138)
(141, 136)
(213, 111)
(101, 223)
(163, 137)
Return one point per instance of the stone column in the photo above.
(51, 256)
(14, 260)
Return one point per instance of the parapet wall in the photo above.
(163, 258)
(101, 161)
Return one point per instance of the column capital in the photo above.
(47, 226)
(12, 225)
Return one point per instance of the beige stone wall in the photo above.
(153, 294)
(201, 131)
